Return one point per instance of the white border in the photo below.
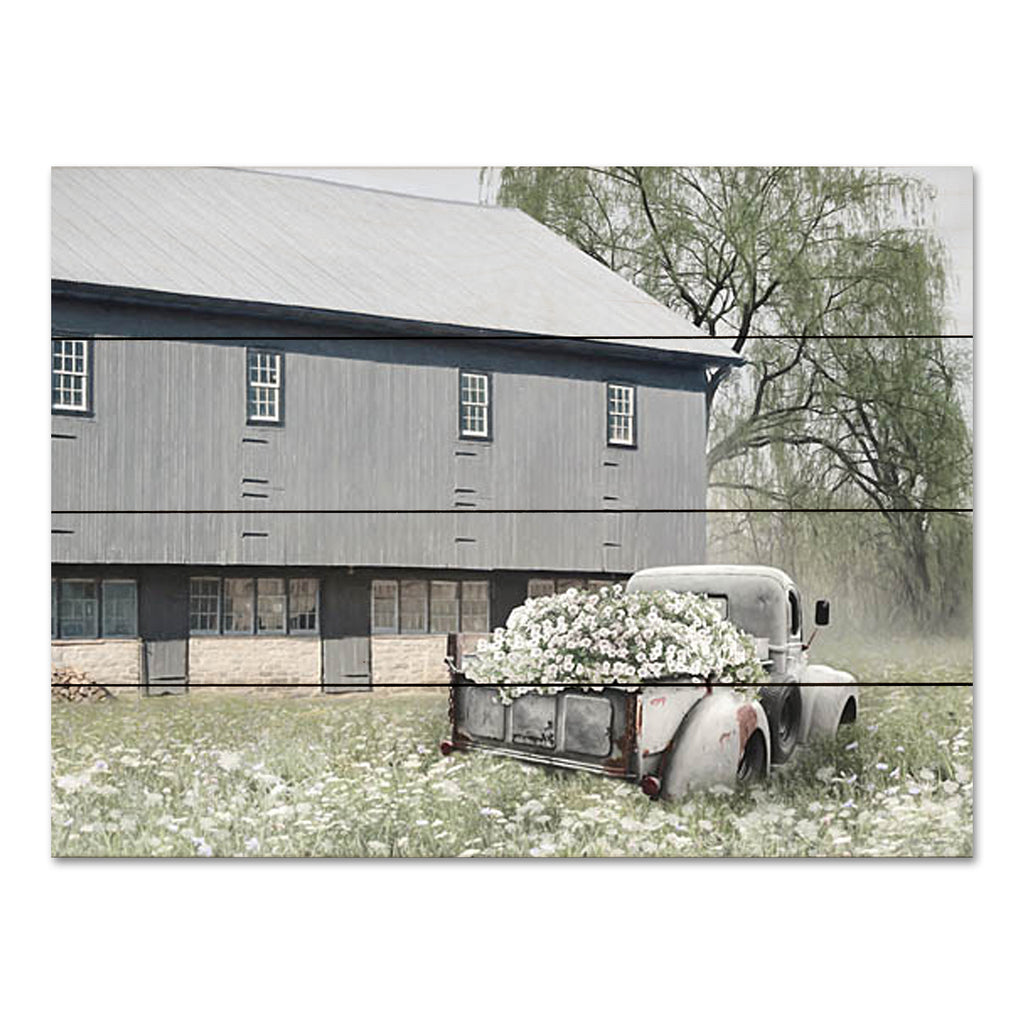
(452, 84)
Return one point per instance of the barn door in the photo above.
(166, 667)
(346, 664)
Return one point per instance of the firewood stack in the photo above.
(71, 684)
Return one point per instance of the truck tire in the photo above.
(784, 708)
(753, 766)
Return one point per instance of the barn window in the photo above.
(413, 606)
(238, 605)
(79, 609)
(476, 610)
(561, 586)
(622, 415)
(91, 608)
(264, 604)
(474, 404)
(444, 607)
(430, 606)
(69, 380)
(119, 608)
(384, 607)
(548, 587)
(204, 605)
(302, 605)
(264, 386)
(271, 605)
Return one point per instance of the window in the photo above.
(238, 605)
(622, 415)
(119, 603)
(244, 606)
(89, 609)
(476, 610)
(204, 605)
(264, 386)
(434, 606)
(444, 607)
(548, 587)
(794, 614)
(271, 602)
(474, 404)
(79, 608)
(69, 380)
(413, 606)
(302, 606)
(384, 607)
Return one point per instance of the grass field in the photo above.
(361, 776)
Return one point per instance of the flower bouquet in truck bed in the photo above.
(591, 640)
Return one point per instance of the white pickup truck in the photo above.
(678, 734)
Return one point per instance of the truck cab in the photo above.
(802, 700)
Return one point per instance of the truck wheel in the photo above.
(784, 707)
(754, 762)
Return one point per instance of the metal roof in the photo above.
(276, 238)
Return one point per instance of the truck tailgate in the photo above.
(594, 731)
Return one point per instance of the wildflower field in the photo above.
(361, 776)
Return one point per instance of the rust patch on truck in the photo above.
(747, 719)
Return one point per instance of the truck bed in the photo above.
(574, 728)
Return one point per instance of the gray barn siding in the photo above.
(568, 542)
(372, 425)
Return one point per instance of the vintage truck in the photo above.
(678, 734)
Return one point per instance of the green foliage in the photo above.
(829, 283)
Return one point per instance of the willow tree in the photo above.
(829, 283)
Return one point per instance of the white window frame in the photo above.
(474, 378)
(219, 595)
(283, 597)
(260, 388)
(304, 631)
(288, 630)
(620, 403)
(82, 375)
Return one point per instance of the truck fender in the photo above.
(709, 743)
(827, 707)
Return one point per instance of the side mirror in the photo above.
(821, 613)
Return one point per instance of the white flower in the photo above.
(252, 845)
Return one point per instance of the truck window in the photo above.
(794, 614)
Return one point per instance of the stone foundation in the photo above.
(115, 664)
(280, 665)
(283, 665)
(413, 660)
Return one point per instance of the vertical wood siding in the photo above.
(368, 469)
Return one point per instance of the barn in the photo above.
(302, 431)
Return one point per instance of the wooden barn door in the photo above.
(166, 667)
(346, 664)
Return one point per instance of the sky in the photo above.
(953, 211)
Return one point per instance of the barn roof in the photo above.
(279, 239)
